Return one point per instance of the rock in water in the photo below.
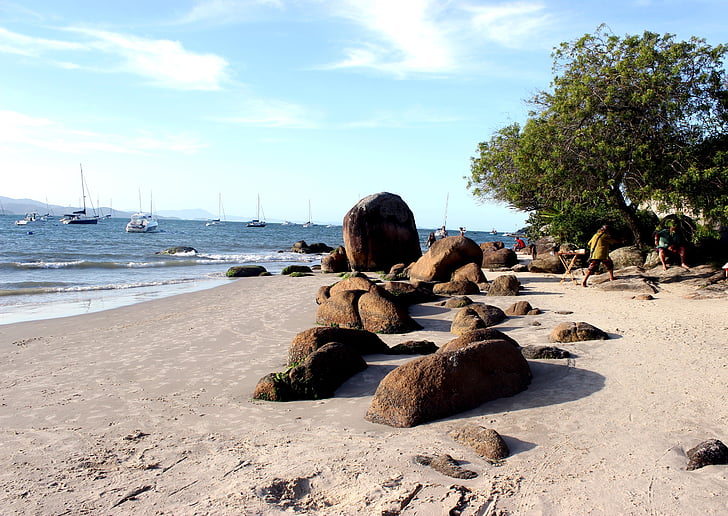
(379, 231)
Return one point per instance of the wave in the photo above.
(49, 289)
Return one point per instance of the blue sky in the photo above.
(324, 101)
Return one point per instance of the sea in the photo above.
(49, 269)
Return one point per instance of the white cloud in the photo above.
(167, 63)
(513, 25)
(414, 117)
(225, 11)
(272, 113)
(20, 129)
(14, 43)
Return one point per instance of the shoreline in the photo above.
(156, 398)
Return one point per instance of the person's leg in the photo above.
(661, 254)
(681, 253)
(592, 265)
(610, 268)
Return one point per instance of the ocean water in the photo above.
(48, 269)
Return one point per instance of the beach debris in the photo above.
(246, 271)
(473, 336)
(414, 347)
(505, 285)
(404, 502)
(485, 441)
(296, 494)
(475, 316)
(707, 453)
(643, 297)
(308, 341)
(336, 261)
(445, 257)
(135, 435)
(291, 269)
(303, 248)
(457, 302)
(456, 288)
(131, 495)
(443, 384)
(446, 465)
(178, 250)
(576, 332)
(497, 258)
(519, 308)
(544, 352)
(318, 377)
(379, 231)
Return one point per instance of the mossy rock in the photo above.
(246, 271)
(178, 250)
(296, 268)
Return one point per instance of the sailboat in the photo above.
(80, 216)
(442, 232)
(309, 223)
(142, 222)
(257, 222)
(220, 214)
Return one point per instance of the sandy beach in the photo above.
(147, 409)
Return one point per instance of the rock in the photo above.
(302, 247)
(576, 332)
(707, 453)
(318, 377)
(545, 245)
(506, 285)
(499, 258)
(445, 257)
(519, 308)
(544, 352)
(308, 341)
(361, 283)
(414, 347)
(640, 285)
(485, 441)
(335, 262)
(178, 250)
(547, 263)
(443, 384)
(381, 314)
(379, 231)
(479, 335)
(340, 310)
(643, 297)
(324, 292)
(295, 268)
(465, 320)
(446, 465)
(246, 271)
(408, 294)
(456, 288)
(469, 272)
(491, 246)
(520, 268)
(457, 302)
(629, 256)
(490, 314)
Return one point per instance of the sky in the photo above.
(302, 102)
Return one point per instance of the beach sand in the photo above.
(147, 409)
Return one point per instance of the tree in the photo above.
(628, 120)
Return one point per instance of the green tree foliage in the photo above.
(627, 121)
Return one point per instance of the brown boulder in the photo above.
(506, 285)
(335, 262)
(707, 453)
(576, 332)
(379, 313)
(499, 258)
(340, 310)
(379, 231)
(308, 341)
(519, 308)
(408, 294)
(478, 335)
(485, 441)
(491, 246)
(445, 257)
(443, 384)
(456, 288)
(324, 292)
(547, 263)
(466, 319)
(490, 314)
(457, 302)
(352, 283)
(470, 272)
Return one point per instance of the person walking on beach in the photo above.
(599, 246)
(669, 240)
(430, 239)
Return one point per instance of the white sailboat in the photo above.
(142, 222)
(257, 222)
(442, 232)
(309, 223)
(80, 216)
(220, 214)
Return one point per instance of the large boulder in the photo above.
(379, 231)
(629, 256)
(456, 288)
(381, 314)
(408, 294)
(506, 285)
(546, 263)
(318, 377)
(471, 272)
(496, 258)
(340, 310)
(576, 332)
(466, 319)
(471, 337)
(308, 341)
(246, 271)
(445, 257)
(443, 384)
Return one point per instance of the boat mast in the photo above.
(83, 191)
(444, 222)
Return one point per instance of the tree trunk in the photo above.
(629, 215)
